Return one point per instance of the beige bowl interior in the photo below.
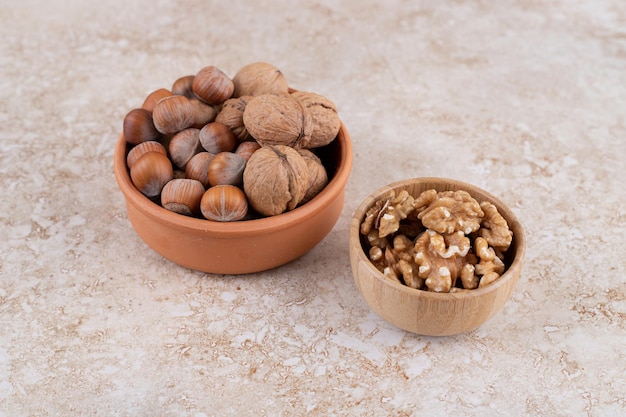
(428, 313)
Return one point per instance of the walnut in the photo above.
(424, 200)
(404, 253)
(377, 257)
(396, 210)
(440, 259)
(494, 228)
(390, 269)
(323, 112)
(490, 266)
(275, 179)
(375, 240)
(259, 78)
(451, 211)
(490, 271)
(439, 241)
(371, 216)
(278, 119)
(386, 214)
(231, 115)
(318, 178)
(377, 245)
(450, 245)
(469, 280)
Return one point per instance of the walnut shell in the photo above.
(275, 179)
(326, 122)
(278, 119)
(318, 178)
(231, 115)
(259, 78)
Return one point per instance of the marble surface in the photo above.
(526, 99)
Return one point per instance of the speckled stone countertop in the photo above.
(525, 99)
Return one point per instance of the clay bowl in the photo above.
(430, 313)
(244, 246)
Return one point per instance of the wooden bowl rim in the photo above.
(518, 234)
(241, 228)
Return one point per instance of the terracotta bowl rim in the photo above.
(241, 228)
(512, 272)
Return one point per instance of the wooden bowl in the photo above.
(430, 313)
(244, 246)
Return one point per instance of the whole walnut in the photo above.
(231, 115)
(259, 78)
(318, 178)
(278, 119)
(326, 122)
(275, 179)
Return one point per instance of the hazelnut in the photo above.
(212, 85)
(173, 114)
(203, 113)
(198, 168)
(151, 172)
(141, 149)
(182, 86)
(274, 119)
(259, 78)
(247, 148)
(153, 98)
(224, 203)
(184, 145)
(138, 127)
(182, 196)
(216, 137)
(226, 168)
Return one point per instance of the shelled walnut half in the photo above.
(437, 241)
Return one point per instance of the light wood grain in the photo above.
(429, 313)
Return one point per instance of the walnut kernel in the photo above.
(452, 211)
(456, 243)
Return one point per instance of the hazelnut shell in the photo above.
(224, 203)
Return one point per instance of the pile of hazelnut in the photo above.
(442, 241)
(229, 149)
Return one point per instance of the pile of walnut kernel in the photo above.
(438, 241)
